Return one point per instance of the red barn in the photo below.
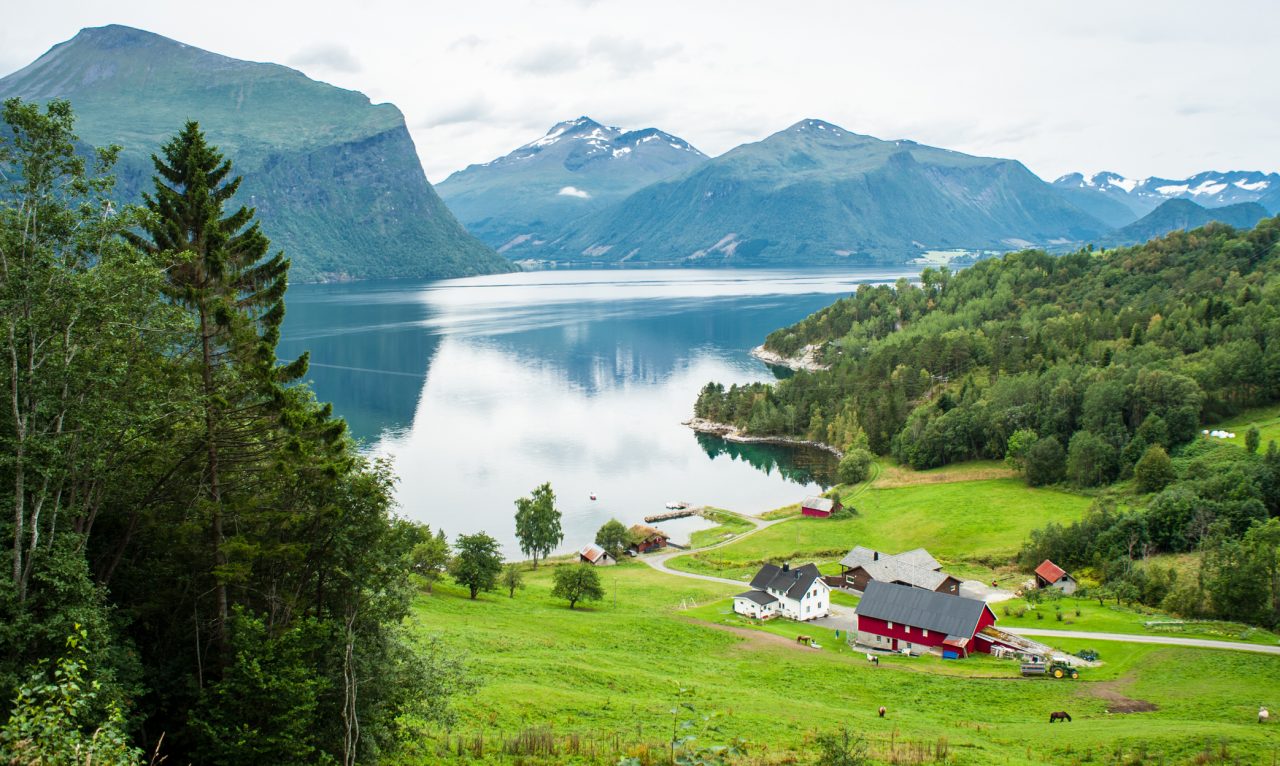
(897, 617)
(820, 507)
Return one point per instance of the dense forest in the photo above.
(1088, 368)
(201, 566)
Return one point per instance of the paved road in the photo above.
(1203, 643)
(659, 561)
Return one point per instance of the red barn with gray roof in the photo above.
(896, 617)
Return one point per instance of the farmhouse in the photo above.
(1050, 575)
(916, 568)
(821, 507)
(596, 556)
(645, 538)
(800, 594)
(898, 617)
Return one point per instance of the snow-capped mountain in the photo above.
(1209, 189)
(576, 168)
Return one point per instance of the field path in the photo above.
(659, 562)
(1203, 643)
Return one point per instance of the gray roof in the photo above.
(894, 569)
(818, 503)
(950, 615)
(758, 596)
(919, 558)
(858, 556)
(792, 582)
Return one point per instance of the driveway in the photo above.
(659, 561)
(1203, 643)
(984, 592)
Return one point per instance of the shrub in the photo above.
(855, 466)
(1154, 470)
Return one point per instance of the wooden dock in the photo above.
(679, 513)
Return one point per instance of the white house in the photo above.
(799, 594)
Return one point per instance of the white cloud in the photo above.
(572, 191)
(330, 56)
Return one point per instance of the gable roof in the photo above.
(818, 503)
(918, 557)
(793, 583)
(593, 553)
(858, 556)
(950, 615)
(894, 569)
(1050, 571)
(758, 596)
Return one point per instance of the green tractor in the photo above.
(1056, 668)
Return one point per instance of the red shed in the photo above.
(820, 507)
(1050, 575)
(896, 617)
(645, 538)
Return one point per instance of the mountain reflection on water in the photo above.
(480, 389)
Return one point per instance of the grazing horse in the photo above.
(803, 639)
(1061, 715)
(1263, 715)
(882, 711)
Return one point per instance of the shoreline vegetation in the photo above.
(731, 433)
(805, 361)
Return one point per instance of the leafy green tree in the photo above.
(221, 273)
(512, 578)
(430, 557)
(60, 718)
(578, 582)
(1020, 442)
(855, 466)
(478, 562)
(1090, 460)
(538, 523)
(1154, 470)
(1045, 462)
(613, 537)
(1252, 439)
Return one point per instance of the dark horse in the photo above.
(1061, 715)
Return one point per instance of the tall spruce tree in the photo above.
(221, 271)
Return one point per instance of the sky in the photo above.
(1141, 88)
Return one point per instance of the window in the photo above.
(907, 629)
(891, 626)
(926, 632)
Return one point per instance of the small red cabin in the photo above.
(820, 507)
(645, 538)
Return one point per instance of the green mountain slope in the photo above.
(336, 179)
(816, 194)
(1181, 214)
(578, 167)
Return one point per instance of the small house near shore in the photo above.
(916, 568)
(901, 618)
(645, 538)
(1050, 575)
(798, 594)
(596, 556)
(820, 507)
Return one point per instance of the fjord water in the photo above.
(480, 389)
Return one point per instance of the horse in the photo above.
(1061, 715)
(882, 711)
(873, 659)
(1263, 715)
(803, 639)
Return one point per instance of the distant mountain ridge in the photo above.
(336, 179)
(1183, 214)
(817, 194)
(579, 166)
(1209, 189)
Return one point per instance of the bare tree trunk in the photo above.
(350, 719)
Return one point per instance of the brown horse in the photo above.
(1061, 715)
(803, 639)
(882, 711)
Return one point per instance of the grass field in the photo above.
(969, 526)
(593, 684)
(1265, 419)
(1085, 614)
(727, 525)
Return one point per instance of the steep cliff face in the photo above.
(336, 179)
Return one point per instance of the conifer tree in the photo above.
(220, 270)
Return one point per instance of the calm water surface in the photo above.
(480, 389)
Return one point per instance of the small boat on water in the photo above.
(593, 496)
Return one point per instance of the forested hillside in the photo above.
(200, 565)
(1184, 328)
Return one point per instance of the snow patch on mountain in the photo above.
(573, 191)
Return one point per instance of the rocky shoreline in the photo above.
(731, 433)
(807, 360)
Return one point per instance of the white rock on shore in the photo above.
(807, 360)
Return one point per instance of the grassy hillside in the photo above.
(601, 682)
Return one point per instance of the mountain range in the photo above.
(1140, 196)
(336, 180)
(1181, 214)
(818, 194)
(578, 167)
